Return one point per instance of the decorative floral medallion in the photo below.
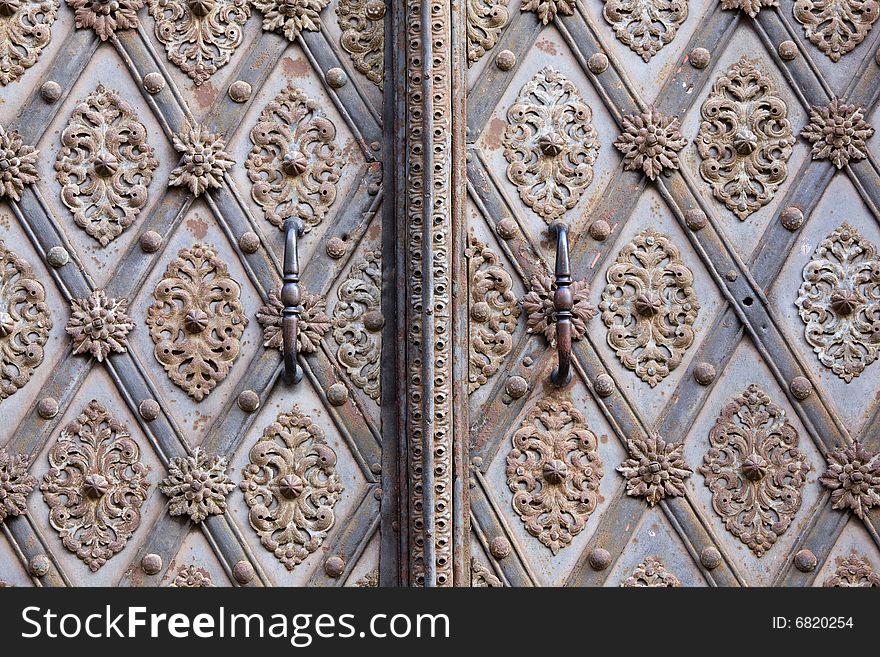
(106, 18)
(745, 138)
(291, 487)
(16, 483)
(24, 322)
(358, 322)
(754, 469)
(197, 321)
(853, 477)
(853, 571)
(483, 577)
(197, 486)
(650, 142)
(290, 17)
(550, 144)
(199, 36)
(204, 160)
(313, 322)
(751, 7)
(363, 35)
(493, 312)
(105, 165)
(649, 306)
(645, 26)
(295, 163)
(486, 19)
(838, 132)
(836, 26)
(553, 470)
(655, 469)
(839, 302)
(651, 572)
(25, 29)
(192, 577)
(99, 325)
(370, 580)
(95, 486)
(18, 163)
(548, 9)
(541, 313)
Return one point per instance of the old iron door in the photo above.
(716, 166)
(141, 259)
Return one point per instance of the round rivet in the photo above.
(39, 565)
(505, 60)
(792, 218)
(374, 10)
(704, 373)
(695, 219)
(249, 242)
(150, 241)
(334, 566)
(600, 230)
(516, 387)
(240, 91)
(499, 547)
(788, 50)
(527, 361)
(599, 559)
(376, 146)
(154, 82)
(243, 571)
(805, 561)
(376, 468)
(248, 401)
(598, 63)
(151, 564)
(50, 91)
(801, 387)
(374, 321)
(700, 57)
(604, 385)
(710, 557)
(47, 408)
(336, 248)
(149, 409)
(57, 256)
(731, 276)
(377, 494)
(507, 229)
(336, 77)
(337, 394)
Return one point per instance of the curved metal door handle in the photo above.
(291, 299)
(563, 301)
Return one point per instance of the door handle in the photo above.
(291, 298)
(563, 301)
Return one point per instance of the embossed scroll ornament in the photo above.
(754, 469)
(197, 486)
(313, 322)
(649, 306)
(290, 17)
(363, 36)
(99, 325)
(651, 573)
(853, 571)
(18, 164)
(106, 17)
(295, 163)
(24, 322)
(358, 322)
(197, 321)
(645, 26)
(199, 36)
(836, 27)
(291, 487)
(853, 477)
(483, 577)
(204, 159)
(650, 142)
(838, 132)
(493, 312)
(548, 9)
(750, 7)
(550, 144)
(192, 577)
(745, 138)
(95, 486)
(553, 470)
(105, 165)
(839, 302)
(655, 469)
(486, 19)
(16, 483)
(541, 312)
(25, 29)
